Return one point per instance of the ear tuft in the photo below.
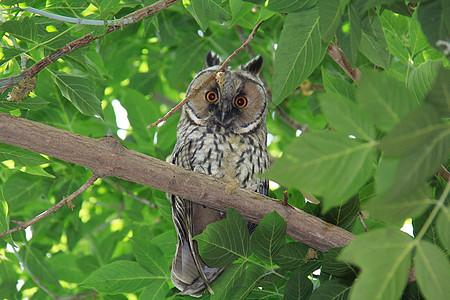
(254, 66)
(212, 59)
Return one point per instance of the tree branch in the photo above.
(63, 202)
(108, 157)
(83, 41)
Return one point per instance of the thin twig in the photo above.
(339, 57)
(63, 202)
(222, 67)
(34, 277)
(130, 194)
(360, 217)
(286, 118)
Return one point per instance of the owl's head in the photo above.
(235, 99)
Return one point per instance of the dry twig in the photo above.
(63, 202)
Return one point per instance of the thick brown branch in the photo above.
(83, 41)
(63, 202)
(107, 157)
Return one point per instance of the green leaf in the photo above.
(344, 215)
(429, 144)
(253, 275)
(442, 227)
(37, 170)
(341, 166)
(79, 89)
(350, 40)
(239, 10)
(382, 276)
(150, 257)
(9, 53)
(38, 265)
(422, 78)
(23, 29)
(295, 255)
(21, 157)
(143, 111)
(417, 40)
(330, 12)
(65, 265)
(298, 286)
(20, 189)
(333, 289)
(166, 242)
(156, 290)
(433, 17)
(119, 277)
(338, 85)
(104, 248)
(269, 236)
(290, 6)
(346, 117)
(371, 3)
(35, 103)
(439, 94)
(299, 52)
(208, 10)
(392, 23)
(224, 241)
(419, 128)
(373, 42)
(431, 234)
(224, 286)
(395, 209)
(4, 218)
(331, 265)
(432, 270)
(384, 99)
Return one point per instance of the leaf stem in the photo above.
(433, 213)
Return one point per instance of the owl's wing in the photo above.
(187, 255)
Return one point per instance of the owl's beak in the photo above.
(223, 116)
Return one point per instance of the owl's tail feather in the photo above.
(189, 273)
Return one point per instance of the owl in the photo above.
(222, 133)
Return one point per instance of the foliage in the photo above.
(373, 146)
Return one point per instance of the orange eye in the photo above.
(240, 101)
(211, 96)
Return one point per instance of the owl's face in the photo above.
(235, 99)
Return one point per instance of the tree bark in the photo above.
(107, 157)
